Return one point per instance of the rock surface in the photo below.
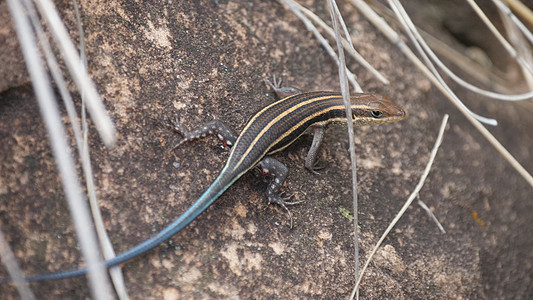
(210, 59)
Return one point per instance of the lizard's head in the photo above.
(368, 109)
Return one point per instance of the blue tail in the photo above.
(219, 186)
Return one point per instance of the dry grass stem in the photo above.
(98, 281)
(431, 215)
(345, 90)
(13, 269)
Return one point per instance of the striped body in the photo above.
(272, 129)
(278, 125)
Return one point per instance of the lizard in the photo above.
(273, 128)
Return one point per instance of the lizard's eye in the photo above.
(376, 114)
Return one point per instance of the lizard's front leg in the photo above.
(310, 159)
(282, 92)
